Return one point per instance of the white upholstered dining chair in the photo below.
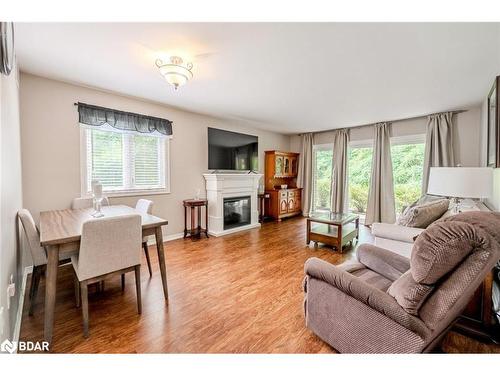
(38, 254)
(145, 206)
(108, 246)
(79, 203)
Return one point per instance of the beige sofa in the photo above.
(399, 239)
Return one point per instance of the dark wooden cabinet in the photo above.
(281, 169)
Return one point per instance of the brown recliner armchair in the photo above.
(386, 303)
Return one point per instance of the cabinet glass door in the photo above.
(279, 166)
(286, 160)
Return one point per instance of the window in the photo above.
(124, 162)
(322, 177)
(359, 169)
(407, 155)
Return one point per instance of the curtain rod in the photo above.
(373, 123)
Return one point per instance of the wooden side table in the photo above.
(332, 228)
(262, 206)
(195, 229)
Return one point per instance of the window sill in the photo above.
(135, 193)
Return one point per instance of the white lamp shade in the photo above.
(461, 182)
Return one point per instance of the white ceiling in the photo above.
(289, 77)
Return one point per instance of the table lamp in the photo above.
(460, 182)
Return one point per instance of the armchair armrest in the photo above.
(382, 261)
(395, 232)
(363, 292)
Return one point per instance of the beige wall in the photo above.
(10, 199)
(467, 135)
(50, 139)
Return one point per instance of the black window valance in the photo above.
(97, 116)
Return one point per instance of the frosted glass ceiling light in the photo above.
(175, 72)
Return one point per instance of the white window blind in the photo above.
(124, 161)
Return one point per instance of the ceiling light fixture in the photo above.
(175, 72)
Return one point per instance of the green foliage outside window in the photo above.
(323, 175)
(407, 166)
(407, 160)
(360, 166)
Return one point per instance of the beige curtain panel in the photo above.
(381, 205)
(439, 148)
(339, 171)
(305, 176)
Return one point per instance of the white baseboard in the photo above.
(174, 236)
(171, 237)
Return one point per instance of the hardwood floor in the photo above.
(240, 293)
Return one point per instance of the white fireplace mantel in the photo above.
(230, 185)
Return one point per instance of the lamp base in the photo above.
(457, 205)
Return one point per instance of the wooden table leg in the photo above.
(185, 222)
(192, 230)
(206, 220)
(50, 291)
(357, 228)
(198, 228)
(161, 260)
(339, 238)
(308, 231)
(261, 206)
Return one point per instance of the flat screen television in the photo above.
(232, 151)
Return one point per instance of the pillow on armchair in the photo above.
(409, 294)
(423, 215)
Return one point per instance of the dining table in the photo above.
(60, 233)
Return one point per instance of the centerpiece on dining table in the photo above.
(97, 195)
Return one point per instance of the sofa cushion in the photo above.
(395, 232)
(409, 294)
(440, 248)
(421, 216)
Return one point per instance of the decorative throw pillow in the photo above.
(405, 215)
(421, 216)
(409, 294)
(427, 198)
